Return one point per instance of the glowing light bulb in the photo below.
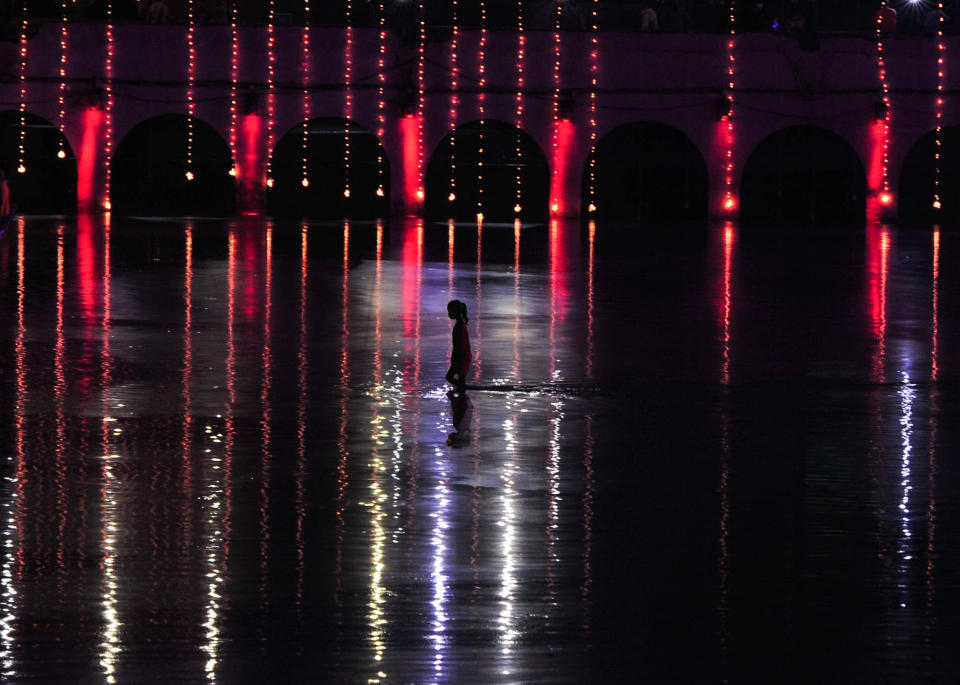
(420, 194)
(106, 205)
(233, 171)
(591, 208)
(61, 154)
(305, 182)
(21, 169)
(379, 192)
(555, 207)
(936, 204)
(346, 192)
(451, 197)
(479, 217)
(269, 183)
(886, 198)
(189, 175)
(517, 209)
(729, 203)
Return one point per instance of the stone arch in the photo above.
(329, 177)
(917, 180)
(803, 176)
(149, 170)
(492, 187)
(647, 172)
(48, 184)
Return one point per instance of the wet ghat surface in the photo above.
(718, 457)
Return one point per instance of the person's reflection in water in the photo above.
(462, 409)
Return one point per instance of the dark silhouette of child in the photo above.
(461, 356)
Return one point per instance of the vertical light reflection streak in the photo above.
(343, 453)
(878, 256)
(450, 242)
(266, 420)
(110, 638)
(723, 562)
(933, 424)
(477, 495)
(12, 531)
(440, 515)
(302, 368)
(516, 300)
(557, 312)
(506, 620)
(59, 393)
(935, 303)
(907, 397)
(591, 255)
(187, 380)
(729, 237)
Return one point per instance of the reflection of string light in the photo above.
(305, 64)
(62, 91)
(728, 240)
(729, 200)
(24, 25)
(518, 112)
(108, 107)
(348, 95)
(885, 197)
(234, 77)
(481, 103)
(941, 50)
(271, 89)
(381, 96)
(191, 82)
(594, 79)
(454, 46)
(907, 396)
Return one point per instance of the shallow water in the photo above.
(718, 456)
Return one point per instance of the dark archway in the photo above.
(803, 176)
(328, 174)
(495, 144)
(149, 170)
(917, 185)
(648, 172)
(49, 183)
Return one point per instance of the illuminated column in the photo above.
(880, 180)
(234, 95)
(518, 111)
(729, 194)
(305, 65)
(108, 109)
(454, 45)
(62, 90)
(594, 80)
(21, 150)
(271, 90)
(381, 95)
(481, 103)
(941, 50)
(191, 82)
(348, 96)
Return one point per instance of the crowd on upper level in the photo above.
(787, 16)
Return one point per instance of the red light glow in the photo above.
(87, 162)
(409, 132)
(563, 142)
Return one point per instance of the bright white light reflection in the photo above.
(440, 579)
(907, 396)
(508, 582)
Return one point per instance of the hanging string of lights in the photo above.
(381, 95)
(348, 96)
(108, 107)
(885, 196)
(305, 65)
(62, 91)
(941, 49)
(234, 94)
(518, 114)
(594, 72)
(481, 103)
(555, 200)
(191, 83)
(454, 43)
(22, 147)
(421, 95)
(271, 87)
(729, 201)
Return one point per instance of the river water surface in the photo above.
(707, 457)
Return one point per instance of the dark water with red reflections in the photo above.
(711, 457)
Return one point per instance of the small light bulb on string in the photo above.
(189, 175)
